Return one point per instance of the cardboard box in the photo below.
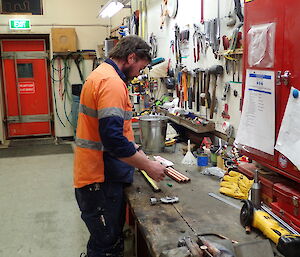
(64, 40)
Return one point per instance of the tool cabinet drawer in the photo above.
(287, 197)
(287, 217)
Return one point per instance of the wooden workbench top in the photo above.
(196, 212)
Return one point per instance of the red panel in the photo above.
(29, 129)
(35, 103)
(292, 64)
(288, 218)
(262, 12)
(288, 198)
(23, 45)
(287, 52)
(27, 96)
(10, 87)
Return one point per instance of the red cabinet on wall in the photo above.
(286, 67)
(26, 88)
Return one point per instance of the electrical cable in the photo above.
(54, 95)
(63, 72)
(63, 91)
(66, 85)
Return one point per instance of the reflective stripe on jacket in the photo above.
(104, 96)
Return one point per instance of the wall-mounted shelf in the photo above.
(85, 54)
(198, 128)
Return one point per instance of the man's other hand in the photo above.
(156, 171)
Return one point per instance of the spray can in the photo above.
(255, 191)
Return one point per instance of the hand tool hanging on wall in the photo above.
(184, 85)
(202, 12)
(178, 86)
(218, 36)
(238, 68)
(238, 10)
(213, 36)
(164, 13)
(184, 42)
(207, 93)
(196, 43)
(194, 74)
(202, 87)
(215, 70)
(134, 23)
(197, 88)
(184, 35)
(226, 91)
(225, 114)
(177, 45)
(153, 44)
(190, 90)
(232, 20)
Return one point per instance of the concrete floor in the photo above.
(39, 214)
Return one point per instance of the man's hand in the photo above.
(156, 171)
(153, 168)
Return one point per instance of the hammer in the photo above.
(214, 70)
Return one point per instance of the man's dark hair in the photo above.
(128, 45)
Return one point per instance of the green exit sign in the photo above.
(21, 24)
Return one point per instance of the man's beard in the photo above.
(127, 73)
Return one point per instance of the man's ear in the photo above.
(131, 58)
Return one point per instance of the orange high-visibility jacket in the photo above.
(104, 95)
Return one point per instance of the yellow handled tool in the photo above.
(287, 243)
(150, 181)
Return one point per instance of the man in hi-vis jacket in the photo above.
(106, 154)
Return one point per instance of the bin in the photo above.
(153, 131)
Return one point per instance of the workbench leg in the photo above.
(141, 248)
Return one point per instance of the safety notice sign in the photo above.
(257, 125)
(26, 88)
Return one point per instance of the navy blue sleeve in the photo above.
(111, 133)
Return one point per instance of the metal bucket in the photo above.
(153, 131)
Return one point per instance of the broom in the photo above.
(189, 158)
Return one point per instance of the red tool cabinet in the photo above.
(286, 59)
(286, 203)
(26, 88)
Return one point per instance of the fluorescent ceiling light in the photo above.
(110, 9)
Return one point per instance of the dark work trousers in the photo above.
(102, 207)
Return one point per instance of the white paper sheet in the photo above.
(288, 141)
(257, 124)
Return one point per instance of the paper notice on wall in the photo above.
(288, 141)
(257, 124)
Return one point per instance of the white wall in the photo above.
(188, 14)
(117, 19)
(91, 31)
